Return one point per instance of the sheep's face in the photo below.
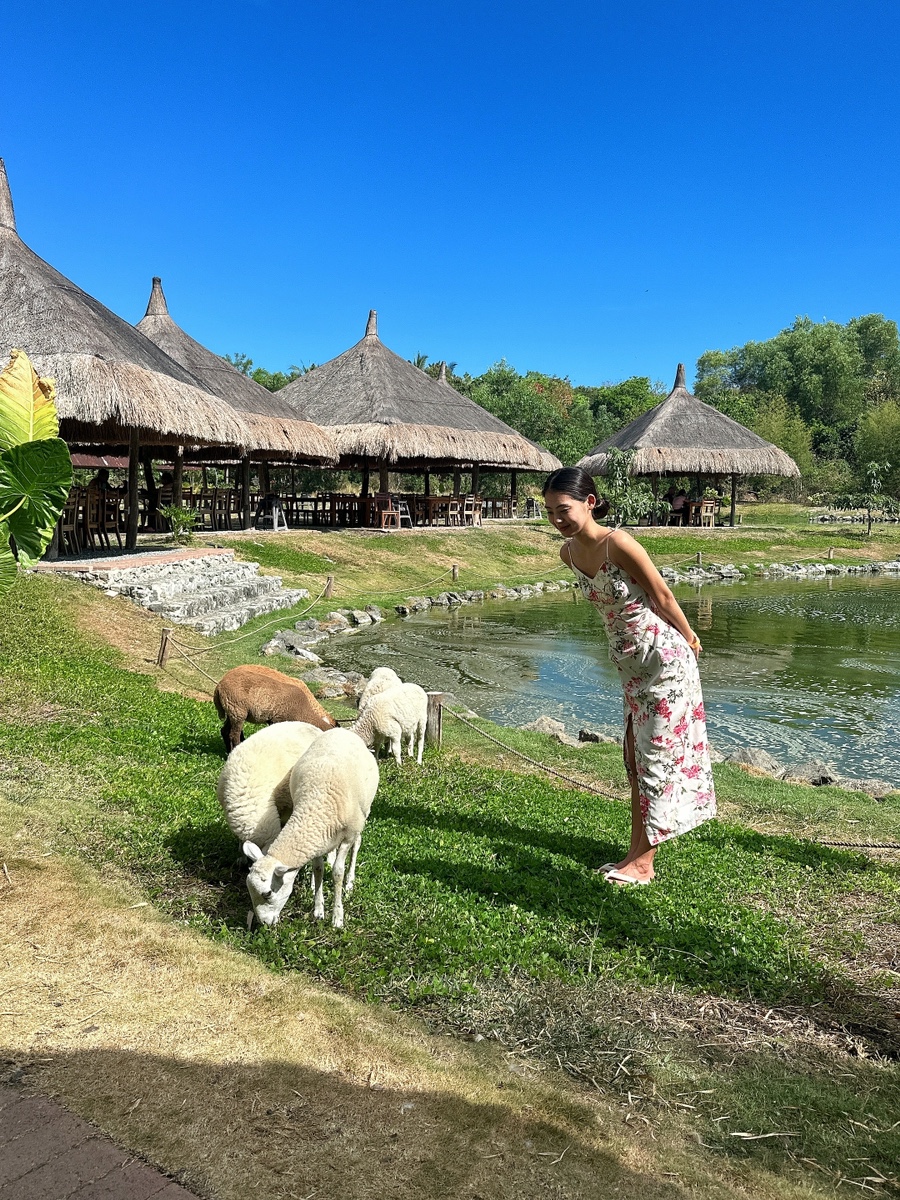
(269, 883)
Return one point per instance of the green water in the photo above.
(799, 668)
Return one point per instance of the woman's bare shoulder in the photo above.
(565, 554)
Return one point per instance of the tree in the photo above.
(871, 497)
(878, 440)
(615, 405)
(241, 362)
(783, 426)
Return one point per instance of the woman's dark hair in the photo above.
(574, 482)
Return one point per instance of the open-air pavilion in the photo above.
(684, 436)
(115, 388)
(385, 414)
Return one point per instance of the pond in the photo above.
(802, 669)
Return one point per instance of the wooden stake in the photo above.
(134, 466)
(454, 570)
(245, 493)
(435, 727)
(700, 558)
(164, 649)
(329, 587)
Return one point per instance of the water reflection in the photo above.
(799, 668)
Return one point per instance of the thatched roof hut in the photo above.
(380, 408)
(684, 436)
(274, 424)
(110, 379)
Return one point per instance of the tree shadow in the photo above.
(274, 1127)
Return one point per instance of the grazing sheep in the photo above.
(264, 696)
(380, 680)
(393, 715)
(332, 788)
(254, 785)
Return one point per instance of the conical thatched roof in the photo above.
(378, 406)
(109, 378)
(274, 424)
(684, 435)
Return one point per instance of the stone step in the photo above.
(170, 587)
(227, 619)
(187, 605)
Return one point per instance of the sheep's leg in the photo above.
(351, 873)
(396, 748)
(337, 876)
(421, 747)
(227, 738)
(319, 886)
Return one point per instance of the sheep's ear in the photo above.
(253, 851)
(288, 874)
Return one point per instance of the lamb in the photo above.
(263, 695)
(254, 784)
(332, 788)
(380, 680)
(393, 715)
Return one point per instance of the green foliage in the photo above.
(629, 498)
(614, 405)
(813, 386)
(871, 496)
(273, 381)
(878, 440)
(182, 522)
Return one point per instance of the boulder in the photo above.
(375, 613)
(552, 728)
(310, 624)
(876, 788)
(816, 773)
(761, 760)
(590, 735)
(334, 622)
(358, 617)
(442, 601)
(418, 603)
(402, 610)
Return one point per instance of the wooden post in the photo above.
(435, 725)
(364, 487)
(329, 589)
(830, 555)
(456, 482)
(733, 497)
(454, 573)
(164, 649)
(246, 518)
(513, 487)
(384, 480)
(655, 486)
(134, 466)
(699, 564)
(427, 482)
(475, 480)
(178, 475)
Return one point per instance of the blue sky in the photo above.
(590, 189)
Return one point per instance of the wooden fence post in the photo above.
(435, 725)
(329, 587)
(700, 558)
(164, 649)
(455, 572)
(831, 551)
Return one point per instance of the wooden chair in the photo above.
(477, 506)
(206, 506)
(454, 511)
(468, 510)
(111, 517)
(403, 509)
(708, 511)
(386, 514)
(69, 540)
(91, 518)
(222, 509)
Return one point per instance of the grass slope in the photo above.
(477, 908)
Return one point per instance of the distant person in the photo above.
(656, 652)
(101, 480)
(679, 505)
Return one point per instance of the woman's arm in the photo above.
(631, 556)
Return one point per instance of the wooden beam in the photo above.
(134, 467)
(245, 493)
(384, 479)
(733, 497)
(434, 724)
(178, 475)
(475, 479)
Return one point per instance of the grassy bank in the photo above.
(752, 992)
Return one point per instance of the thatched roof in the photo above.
(109, 378)
(378, 406)
(684, 435)
(274, 424)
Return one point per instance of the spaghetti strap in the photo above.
(568, 549)
(606, 544)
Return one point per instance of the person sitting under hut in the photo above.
(679, 506)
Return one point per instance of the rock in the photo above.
(418, 603)
(287, 642)
(761, 760)
(402, 610)
(455, 598)
(375, 613)
(308, 637)
(716, 756)
(310, 624)
(590, 735)
(552, 728)
(334, 622)
(443, 600)
(358, 617)
(876, 788)
(332, 683)
(816, 773)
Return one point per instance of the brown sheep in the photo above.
(264, 696)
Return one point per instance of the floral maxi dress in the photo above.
(663, 701)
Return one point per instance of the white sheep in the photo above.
(332, 788)
(389, 717)
(254, 785)
(380, 680)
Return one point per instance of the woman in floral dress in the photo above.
(656, 651)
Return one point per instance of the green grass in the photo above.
(475, 882)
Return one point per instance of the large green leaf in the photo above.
(27, 411)
(34, 482)
(7, 562)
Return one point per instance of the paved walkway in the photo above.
(48, 1154)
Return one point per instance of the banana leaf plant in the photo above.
(35, 467)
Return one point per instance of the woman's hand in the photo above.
(694, 643)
